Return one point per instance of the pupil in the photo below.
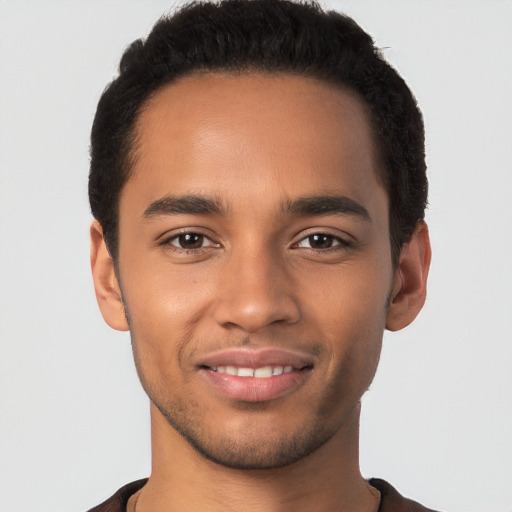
(191, 241)
(320, 241)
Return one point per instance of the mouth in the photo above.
(255, 376)
(263, 372)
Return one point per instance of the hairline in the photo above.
(130, 156)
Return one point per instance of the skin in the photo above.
(256, 278)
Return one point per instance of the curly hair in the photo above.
(276, 36)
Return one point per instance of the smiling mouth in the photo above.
(255, 375)
(264, 383)
(263, 372)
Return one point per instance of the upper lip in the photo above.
(249, 358)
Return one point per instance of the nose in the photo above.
(256, 292)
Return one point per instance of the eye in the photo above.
(189, 241)
(319, 241)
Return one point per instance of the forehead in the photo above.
(253, 136)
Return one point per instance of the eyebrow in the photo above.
(326, 205)
(204, 205)
(189, 204)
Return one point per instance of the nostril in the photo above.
(256, 312)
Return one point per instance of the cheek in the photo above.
(351, 297)
(351, 314)
(164, 309)
(355, 353)
(159, 296)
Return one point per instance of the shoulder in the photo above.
(393, 501)
(117, 502)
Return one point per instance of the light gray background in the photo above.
(437, 422)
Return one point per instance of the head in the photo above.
(258, 184)
(273, 37)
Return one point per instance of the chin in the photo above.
(248, 448)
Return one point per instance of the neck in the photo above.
(328, 479)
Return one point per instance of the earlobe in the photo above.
(410, 283)
(106, 285)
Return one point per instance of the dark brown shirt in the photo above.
(391, 500)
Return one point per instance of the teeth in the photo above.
(231, 370)
(262, 373)
(245, 372)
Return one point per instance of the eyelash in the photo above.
(339, 243)
(167, 242)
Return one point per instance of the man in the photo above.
(258, 186)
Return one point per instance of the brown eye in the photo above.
(321, 241)
(188, 241)
(191, 241)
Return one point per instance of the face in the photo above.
(254, 262)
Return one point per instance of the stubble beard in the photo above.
(240, 450)
(251, 452)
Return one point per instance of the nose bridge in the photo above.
(256, 290)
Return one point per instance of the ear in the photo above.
(106, 285)
(410, 281)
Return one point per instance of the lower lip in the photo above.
(254, 389)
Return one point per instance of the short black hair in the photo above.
(276, 36)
